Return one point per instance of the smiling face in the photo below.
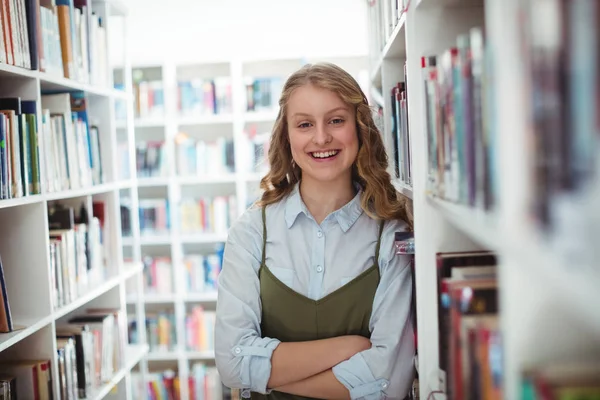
(322, 134)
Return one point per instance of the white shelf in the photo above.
(154, 181)
(206, 180)
(151, 298)
(99, 290)
(395, 47)
(150, 122)
(133, 355)
(36, 336)
(158, 240)
(448, 3)
(205, 119)
(185, 355)
(23, 329)
(80, 192)
(200, 355)
(261, 116)
(204, 238)
(254, 177)
(162, 356)
(61, 195)
(477, 224)
(547, 300)
(530, 251)
(50, 83)
(208, 297)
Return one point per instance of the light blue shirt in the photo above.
(314, 260)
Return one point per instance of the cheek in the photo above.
(350, 139)
(296, 144)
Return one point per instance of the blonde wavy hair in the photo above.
(379, 199)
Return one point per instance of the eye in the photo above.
(337, 121)
(304, 125)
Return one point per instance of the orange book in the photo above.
(64, 27)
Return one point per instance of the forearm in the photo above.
(321, 386)
(295, 361)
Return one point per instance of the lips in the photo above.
(324, 155)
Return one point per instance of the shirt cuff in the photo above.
(357, 377)
(256, 363)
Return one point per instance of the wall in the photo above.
(210, 30)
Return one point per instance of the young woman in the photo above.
(313, 302)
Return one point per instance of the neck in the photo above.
(323, 198)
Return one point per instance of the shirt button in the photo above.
(384, 385)
(319, 268)
(319, 234)
(238, 350)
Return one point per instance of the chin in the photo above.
(327, 176)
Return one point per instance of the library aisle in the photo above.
(201, 133)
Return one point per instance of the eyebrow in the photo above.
(343, 108)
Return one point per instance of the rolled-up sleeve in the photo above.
(243, 357)
(385, 371)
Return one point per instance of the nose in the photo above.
(321, 136)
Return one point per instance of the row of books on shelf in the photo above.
(262, 94)
(204, 383)
(385, 16)
(400, 132)
(153, 216)
(90, 350)
(562, 380)
(151, 159)
(562, 164)
(62, 38)
(200, 329)
(202, 157)
(77, 252)
(198, 96)
(161, 330)
(6, 321)
(561, 93)
(197, 215)
(254, 149)
(460, 125)
(19, 149)
(123, 157)
(158, 275)
(208, 214)
(201, 271)
(470, 348)
(197, 157)
(148, 97)
(61, 153)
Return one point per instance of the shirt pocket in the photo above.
(285, 275)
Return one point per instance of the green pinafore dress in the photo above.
(291, 317)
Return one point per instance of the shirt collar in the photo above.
(345, 216)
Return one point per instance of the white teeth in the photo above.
(324, 154)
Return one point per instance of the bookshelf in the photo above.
(545, 273)
(193, 112)
(61, 265)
